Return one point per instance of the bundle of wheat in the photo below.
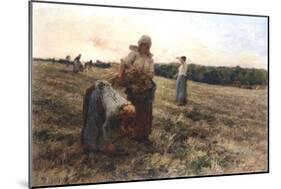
(139, 84)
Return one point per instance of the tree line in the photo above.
(216, 75)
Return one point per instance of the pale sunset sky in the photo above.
(106, 33)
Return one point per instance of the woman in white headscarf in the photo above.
(140, 59)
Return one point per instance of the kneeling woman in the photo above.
(137, 71)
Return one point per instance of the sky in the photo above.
(106, 33)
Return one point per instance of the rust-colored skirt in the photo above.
(143, 106)
(143, 119)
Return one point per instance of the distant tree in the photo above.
(216, 75)
(212, 77)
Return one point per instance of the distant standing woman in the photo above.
(181, 83)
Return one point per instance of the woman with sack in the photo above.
(136, 73)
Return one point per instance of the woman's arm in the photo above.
(150, 75)
(128, 60)
(121, 69)
(151, 69)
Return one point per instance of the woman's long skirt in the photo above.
(181, 86)
(143, 120)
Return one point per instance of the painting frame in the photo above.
(30, 59)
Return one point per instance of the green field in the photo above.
(222, 130)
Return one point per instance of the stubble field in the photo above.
(222, 130)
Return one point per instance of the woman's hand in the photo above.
(121, 76)
(149, 74)
(121, 71)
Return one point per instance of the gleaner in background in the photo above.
(181, 83)
(77, 64)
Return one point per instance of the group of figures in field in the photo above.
(108, 116)
(78, 66)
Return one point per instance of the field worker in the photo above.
(140, 60)
(181, 83)
(68, 60)
(77, 64)
(107, 117)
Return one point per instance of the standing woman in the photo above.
(138, 67)
(181, 83)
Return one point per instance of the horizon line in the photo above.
(116, 62)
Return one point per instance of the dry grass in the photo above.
(222, 130)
